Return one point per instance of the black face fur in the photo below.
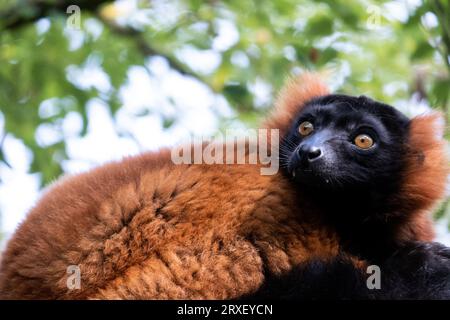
(328, 158)
(356, 187)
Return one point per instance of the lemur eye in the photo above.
(305, 128)
(363, 141)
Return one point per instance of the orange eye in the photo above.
(305, 128)
(363, 141)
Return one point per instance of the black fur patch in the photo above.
(415, 271)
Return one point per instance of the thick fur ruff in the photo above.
(145, 228)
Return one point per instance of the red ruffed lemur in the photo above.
(357, 185)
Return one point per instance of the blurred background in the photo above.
(89, 81)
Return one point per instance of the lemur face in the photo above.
(340, 142)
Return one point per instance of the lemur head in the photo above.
(362, 150)
(339, 142)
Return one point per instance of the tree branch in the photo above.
(147, 50)
(2, 141)
(441, 14)
(14, 18)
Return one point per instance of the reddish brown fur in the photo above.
(146, 228)
(425, 179)
(296, 92)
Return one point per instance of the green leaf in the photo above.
(423, 50)
(320, 25)
(440, 92)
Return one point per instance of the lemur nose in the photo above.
(313, 153)
(309, 154)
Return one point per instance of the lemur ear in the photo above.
(431, 122)
(427, 167)
(426, 134)
(291, 99)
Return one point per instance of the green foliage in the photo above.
(355, 41)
